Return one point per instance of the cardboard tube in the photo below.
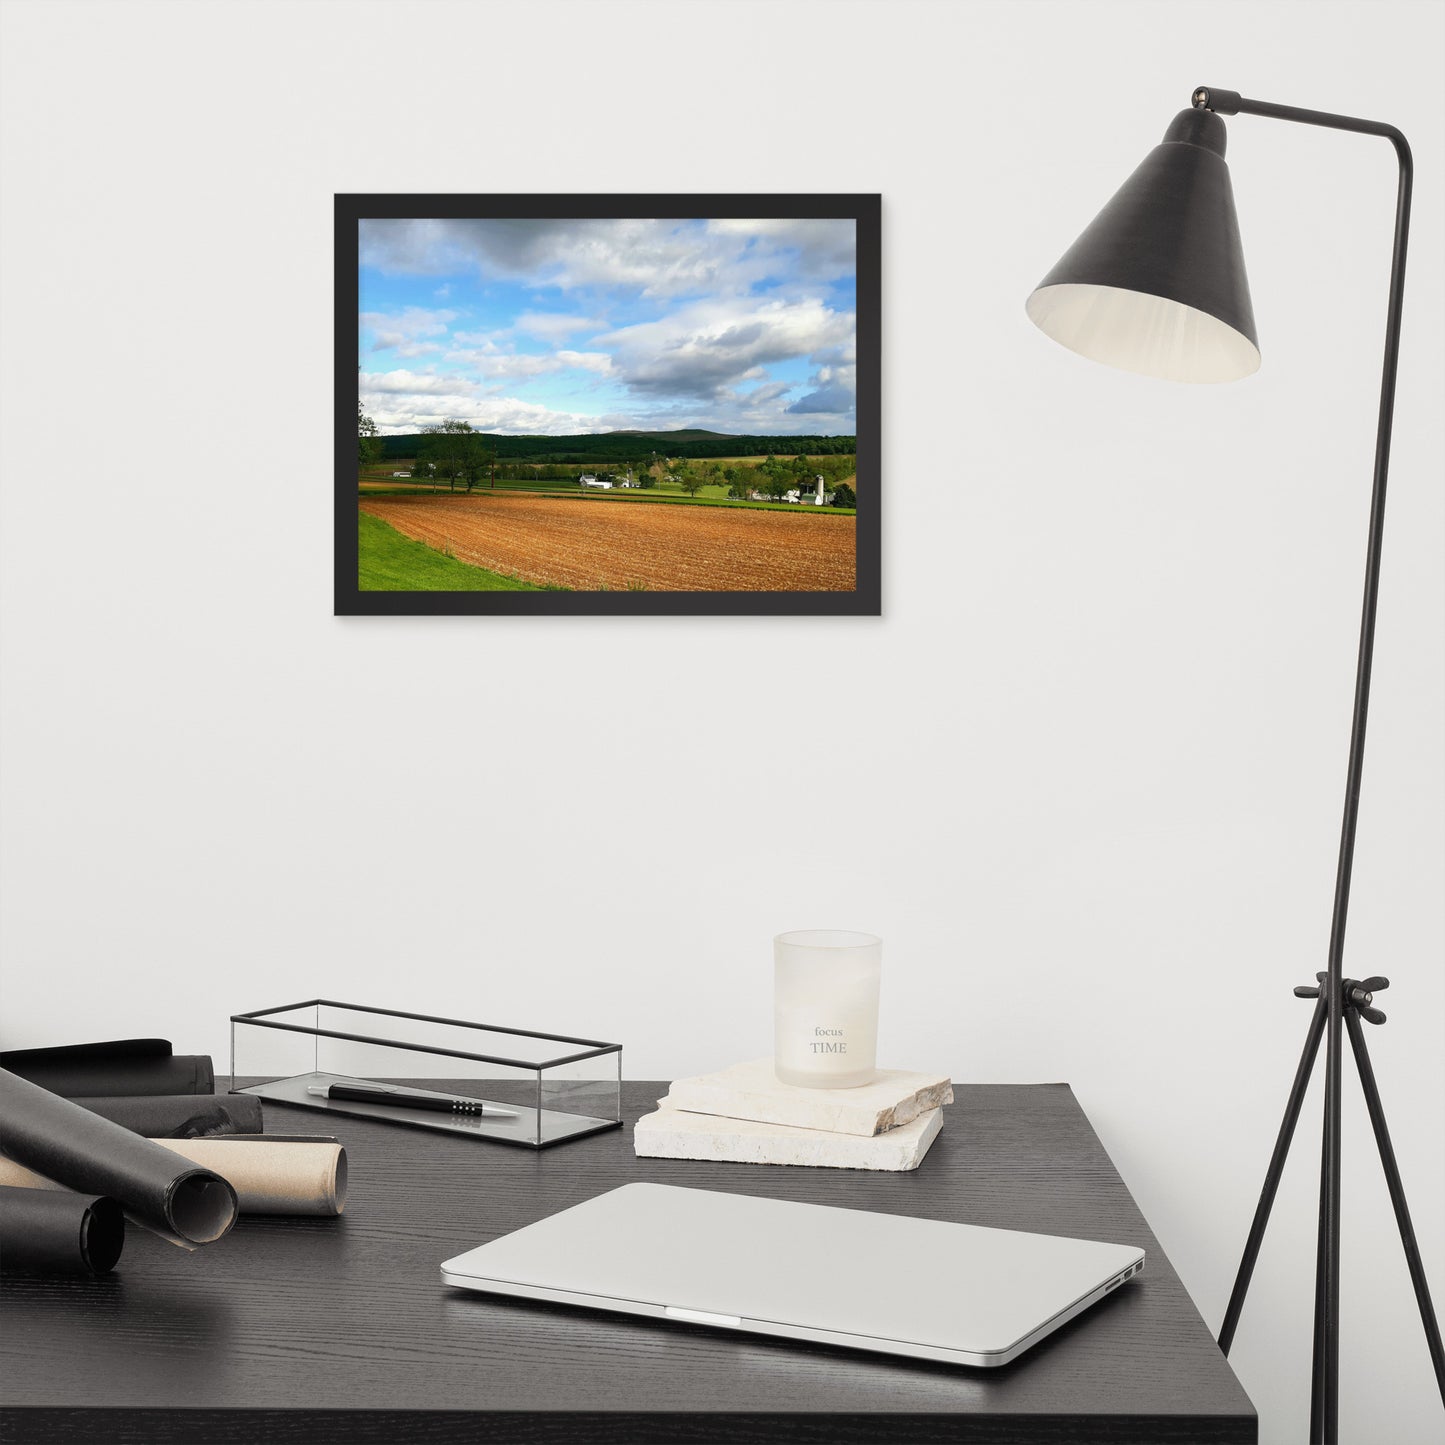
(79, 1150)
(274, 1175)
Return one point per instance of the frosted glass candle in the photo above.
(825, 1007)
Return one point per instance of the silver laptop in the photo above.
(919, 1287)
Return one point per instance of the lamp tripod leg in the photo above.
(1317, 1353)
(1397, 1196)
(1331, 1175)
(1272, 1176)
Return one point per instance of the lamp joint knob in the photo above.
(1221, 102)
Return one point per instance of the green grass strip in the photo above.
(390, 562)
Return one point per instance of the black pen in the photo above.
(407, 1099)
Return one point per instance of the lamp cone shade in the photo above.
(1156, 284)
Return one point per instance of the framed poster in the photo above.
(607, 404)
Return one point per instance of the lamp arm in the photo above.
(1325, 1406)
(1231, 102)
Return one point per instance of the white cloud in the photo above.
(406, 328)
(739, 312)
(483, 342)
(704, 350)
(554, 326)
(397, 412)
(414, 383)
(494, 365)
(598, 361)
(823, 249)
(770, 391)
(490, 365)
(646, 257)
(835, 391)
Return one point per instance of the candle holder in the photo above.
(825, 1002)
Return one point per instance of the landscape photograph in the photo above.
(606, 412)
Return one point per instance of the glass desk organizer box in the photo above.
(534, 1089)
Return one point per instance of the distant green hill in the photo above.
(683, 434)
(632, 446)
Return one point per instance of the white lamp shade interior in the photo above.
(1146, 334)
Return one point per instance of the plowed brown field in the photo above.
(592, 543)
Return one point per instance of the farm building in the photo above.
(588, 480)
(818, 498)
(401, 474)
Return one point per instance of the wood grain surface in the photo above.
(315, 1330)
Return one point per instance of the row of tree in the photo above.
(774, 477)
(369, 446)
(455, 454)
(452, 452)
(619, 449)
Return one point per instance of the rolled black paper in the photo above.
(52, 1231)
(162, 1191)
(181, 1116)
(118, 1066)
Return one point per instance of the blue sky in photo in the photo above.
(524, 326)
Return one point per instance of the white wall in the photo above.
(1085, 773)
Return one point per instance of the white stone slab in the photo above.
(752, 1091)
(676, 1134)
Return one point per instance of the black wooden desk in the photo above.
(339, 1330)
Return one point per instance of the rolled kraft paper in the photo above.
(274, 1176)
(173, 1197)
(181, 1116)
(120, 1066)
(59, 1233)
(270, 1176)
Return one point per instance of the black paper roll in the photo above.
(181, 1116)
(45, 1231)
(118, 1066)
(156, 1188)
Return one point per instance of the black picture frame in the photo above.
(866, 598)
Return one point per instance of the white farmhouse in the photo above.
(588, 480)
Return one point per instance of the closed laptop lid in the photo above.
(931, 1283)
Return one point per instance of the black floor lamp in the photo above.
(1157, 285)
